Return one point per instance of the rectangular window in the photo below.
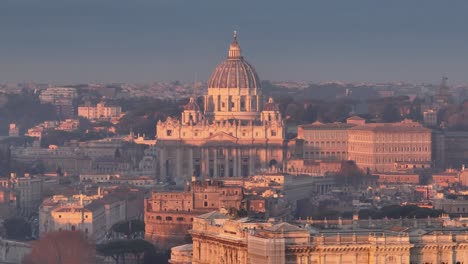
(168, 132)
(273, 133)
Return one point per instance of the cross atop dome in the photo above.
(234, 48)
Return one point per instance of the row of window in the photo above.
(326, 142)
(195, 134)
(393, 149)
(169, 218)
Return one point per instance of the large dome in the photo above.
(234, 72)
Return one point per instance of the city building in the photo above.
(92, 214)
(36, 132)
(236, 135)
(430, 117)
(101, 110)
(324, 141)
(8, 205)
(219, 239)
(169, 215)
(382, 147)
(450, 149)
(51, 94)
(446, 179)
(27, 189)
(457, 206)
(39, 130)
(62, 98)
(116, 179)
(13, 130)
(443, 96)
(67, 159)
(398, 178)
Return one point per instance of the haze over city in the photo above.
(233, 132)
(145, 41)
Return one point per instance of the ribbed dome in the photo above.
(234, 72)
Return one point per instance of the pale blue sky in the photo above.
(68, 41)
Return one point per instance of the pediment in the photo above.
(222, 136)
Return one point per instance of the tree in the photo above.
(129, 227)
(350, 173)
(397, 211)
(118, 249)
(153, 256)
(390, 113)
(17, 228)
(64, 247)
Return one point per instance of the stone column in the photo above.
(202, 163)
(207, 162)
(258, 103)
(251, 161)
(191, 173)
(215, 163)
(205, 102)
(234, 162)
(162, 164)
(226, 162)
(178, 163)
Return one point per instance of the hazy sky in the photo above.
(68, 41)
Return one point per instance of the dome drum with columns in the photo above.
(233, 137)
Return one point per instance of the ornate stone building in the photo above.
(234, 134)
(218, 239)
(382, 147)
(169, 215)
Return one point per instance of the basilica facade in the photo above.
(236, 133)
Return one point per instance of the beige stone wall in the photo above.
(379, 150)
(99, 111)
(324, 141)
(169, 215)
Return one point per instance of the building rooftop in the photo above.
(404, 126)
(213, 215)
(320, 125)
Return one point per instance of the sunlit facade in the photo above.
(235, 134)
